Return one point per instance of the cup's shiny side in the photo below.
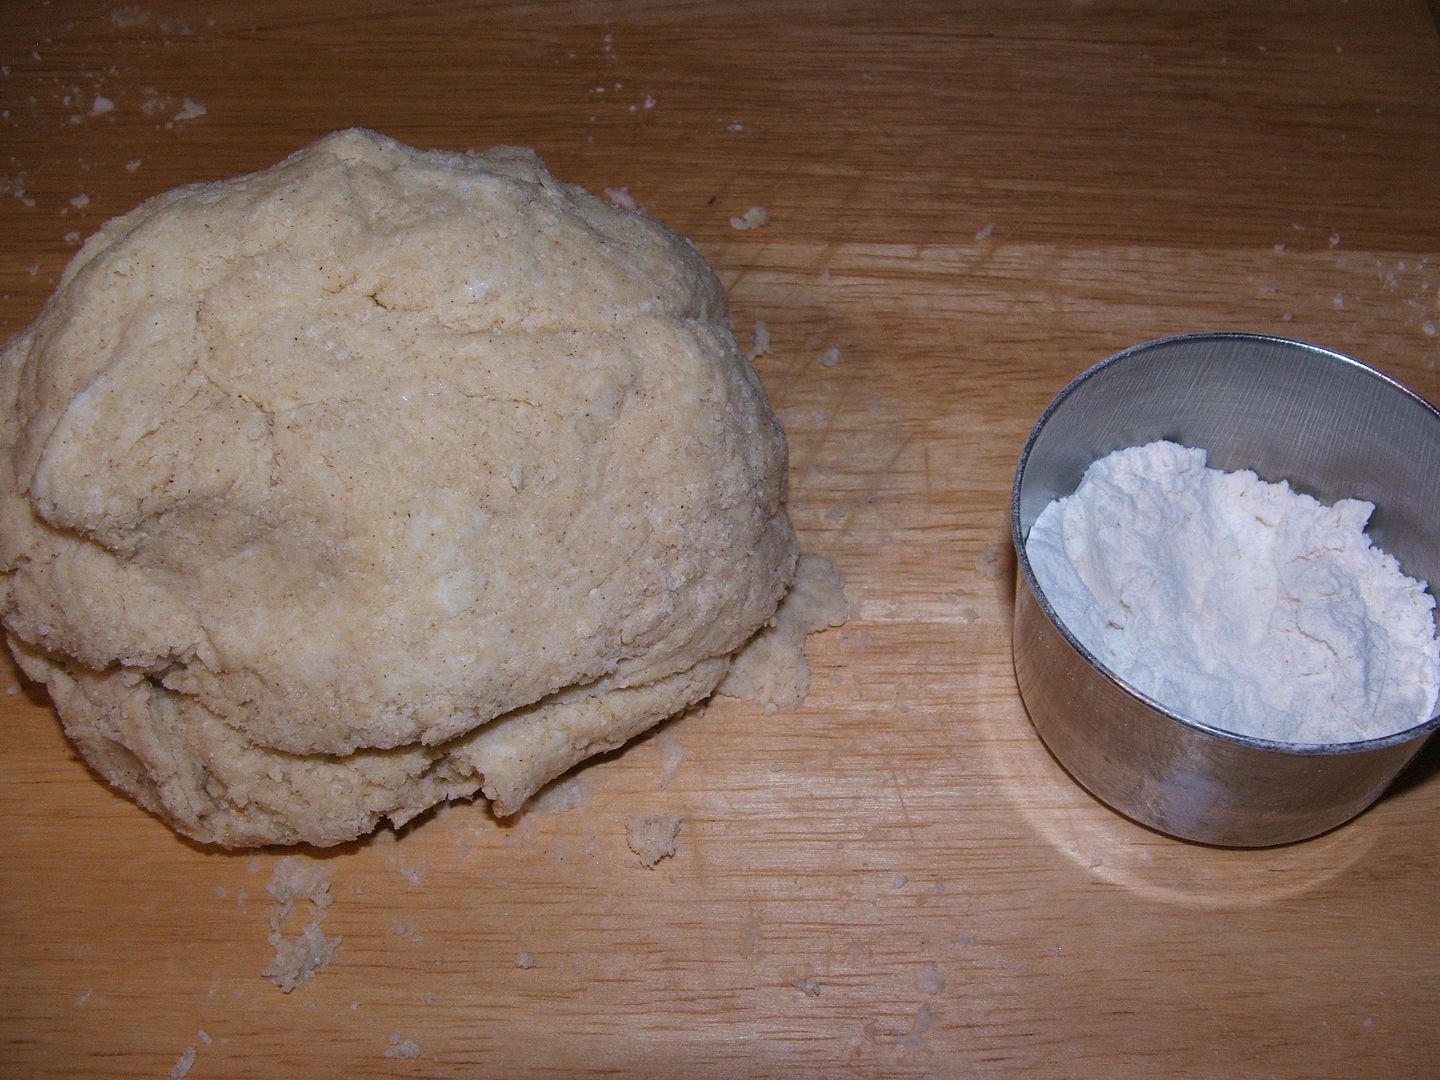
(1172, 776)
(1331, 425)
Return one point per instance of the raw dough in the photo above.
(333, 491)
(653, 837)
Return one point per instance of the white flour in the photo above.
(1236, 602)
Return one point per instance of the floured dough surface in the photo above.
(375, 479)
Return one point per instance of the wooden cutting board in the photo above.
(971, 203)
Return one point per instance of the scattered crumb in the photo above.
(297, 959)
(84, 996)
(825, 276)
(808, 986)
(1334, 239)
(652, 838)
(899, 881)
(204, 1036)
(153, 104)
(524, 960)
(923, 1023)
(929, 980)
(72, 237)
(985, 233)
(620, 197)
(760, 342)
(830, 357)
(13, 689)
(132, 164)
(672, 756)
(80, 201)
(987, 564)
(181, 1067)
(401, 1047)
(101, 105)
(1427, 328)
(190, 109)
(1338, 301)
(1279, 248)
(124, 17)
(754, 218)
(297, 879)
(735, 125)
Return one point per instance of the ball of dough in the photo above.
(378, 478)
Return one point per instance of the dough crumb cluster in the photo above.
(299, 957)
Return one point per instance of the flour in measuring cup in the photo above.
(1238, 603)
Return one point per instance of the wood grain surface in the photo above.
(972, 203)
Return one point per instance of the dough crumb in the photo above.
(830, 357)
(988, 565)
(101, 105)
(401, 1047)
(924, 1021)
(929, 980)
(190, 109)
(772, 668)
(525, 960)
(672, 756)
(754, 218)
(181, 1068)
(298, 958)
(760, 342)
(125, 17)
(808, 986)
(296, 879)
(985, 233)
(653, 837)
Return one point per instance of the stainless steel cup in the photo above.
(1332, 426)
